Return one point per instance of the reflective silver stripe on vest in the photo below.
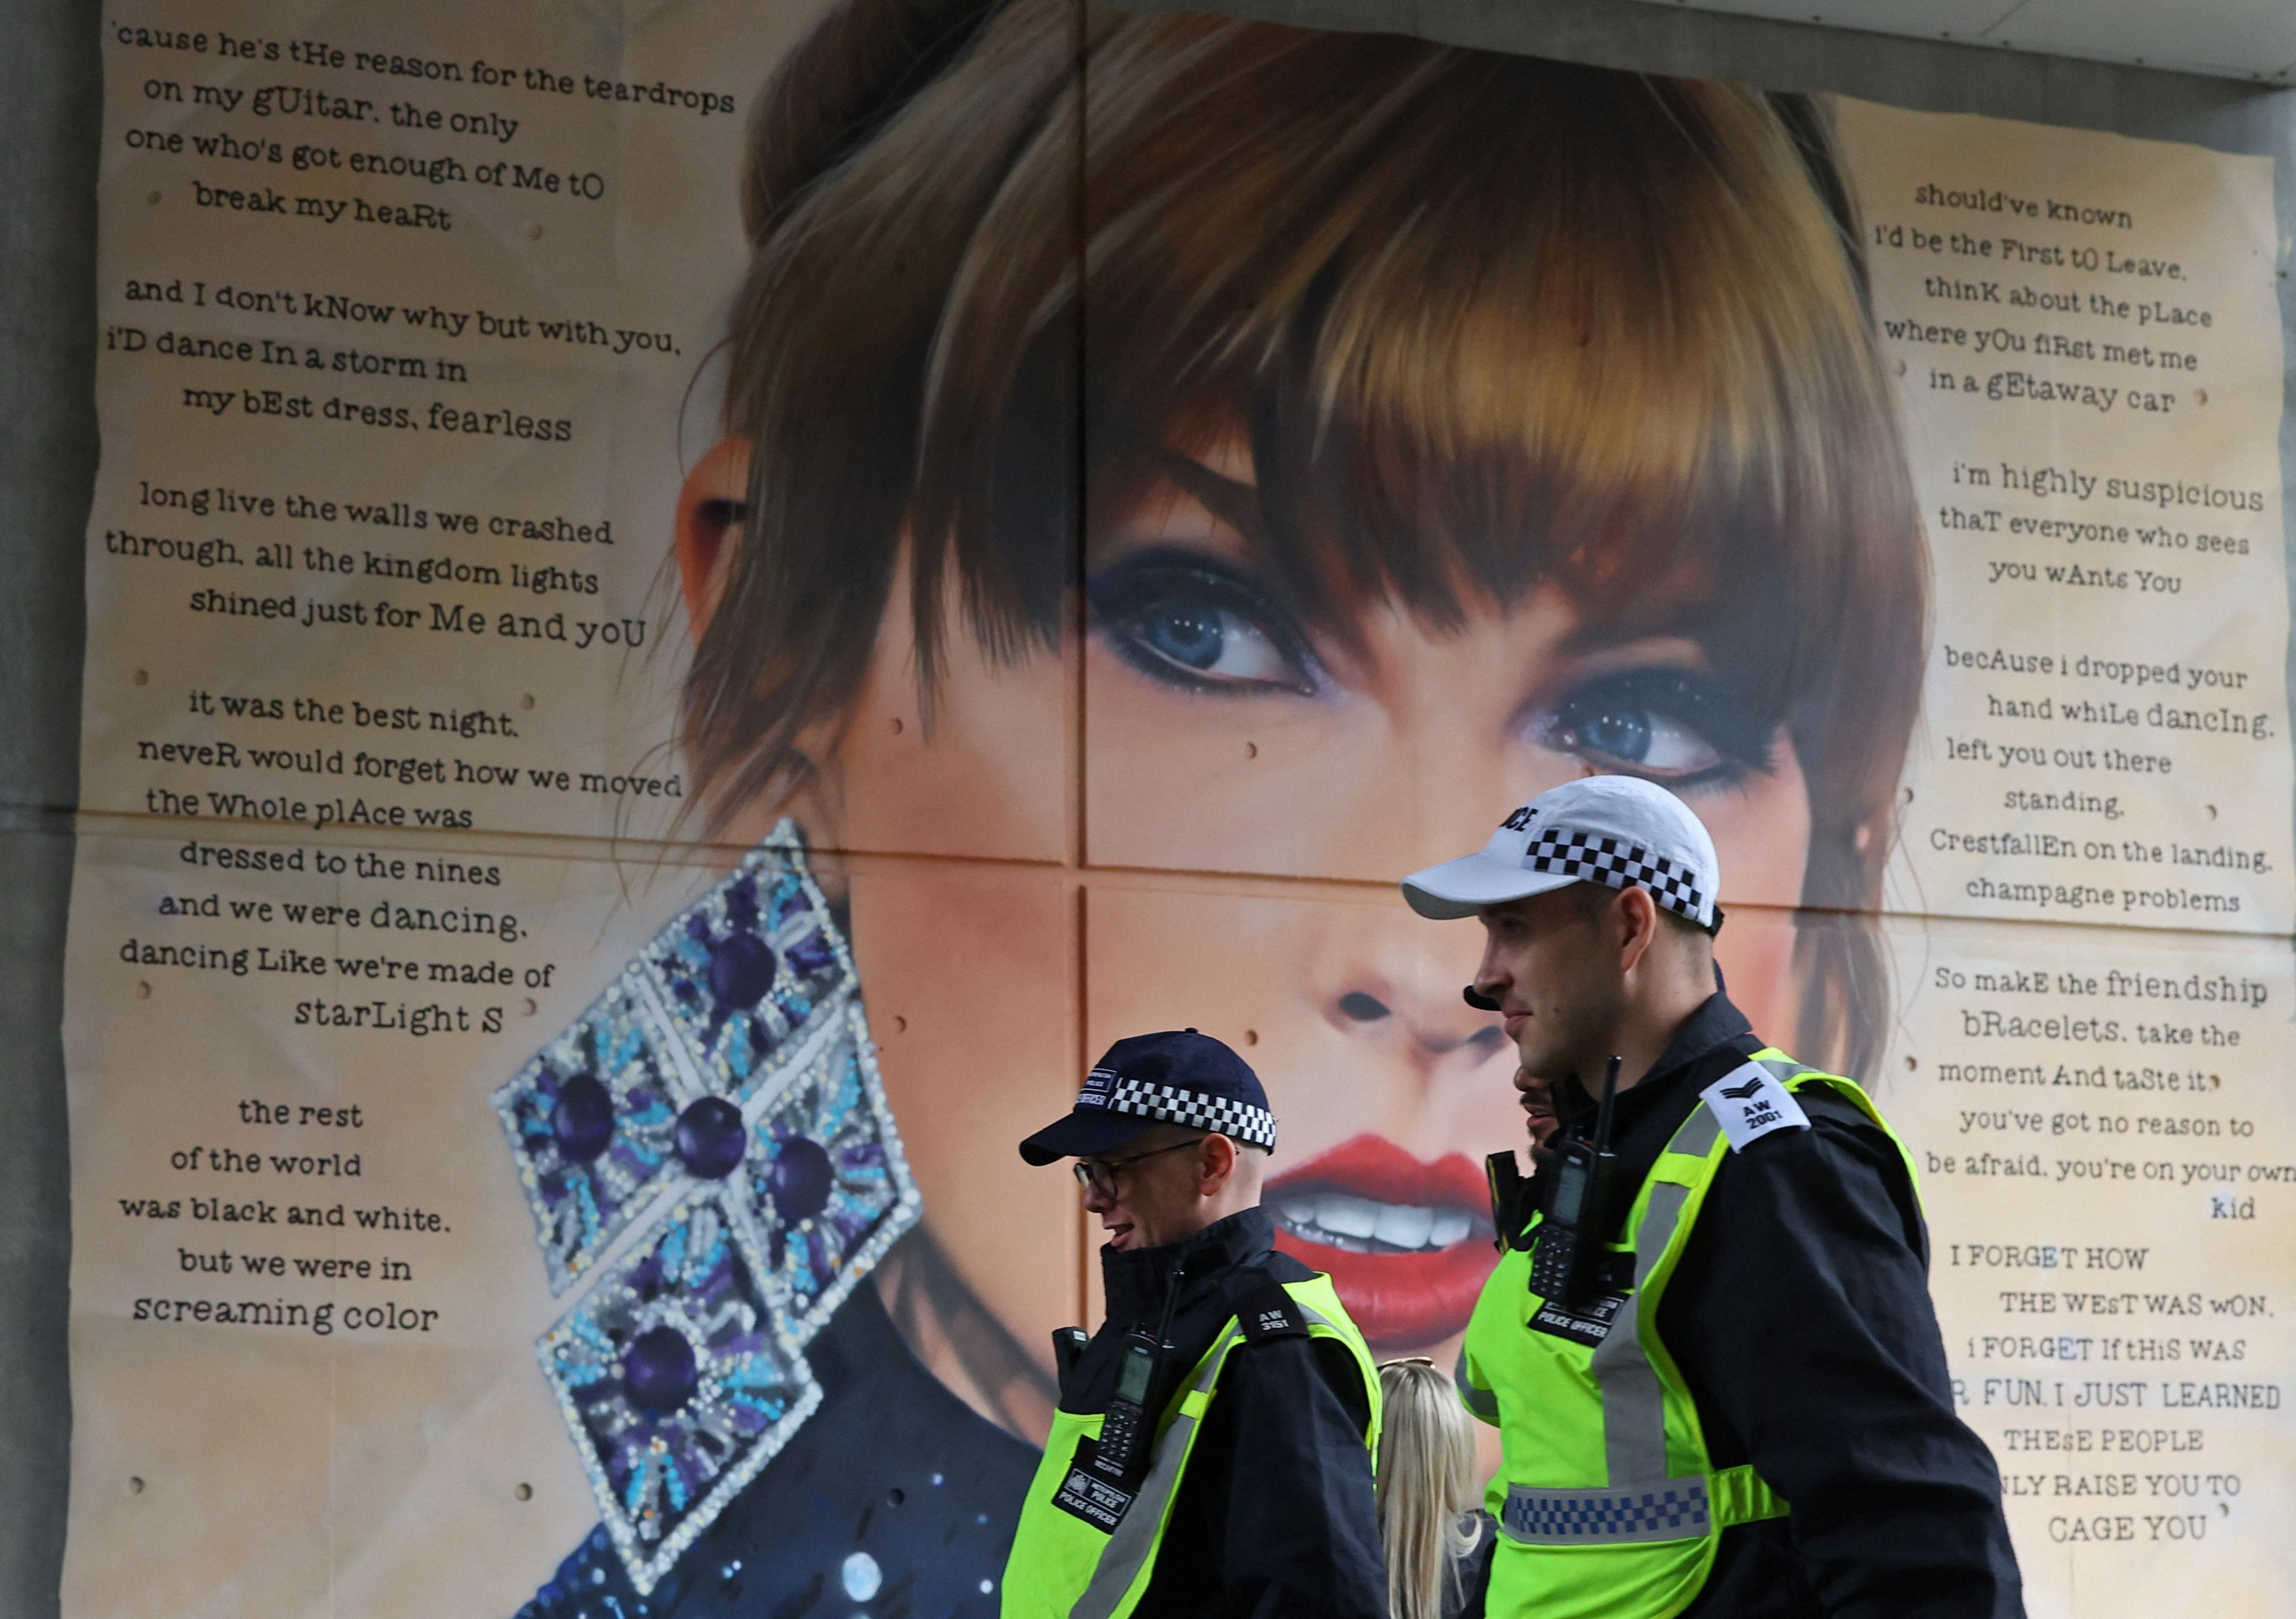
(1671, 1509)
(1134, 1543)
(1481, 1401)
(1642, 1502)
(1783, 1069)
(1633, 1404)
(1694, 1140)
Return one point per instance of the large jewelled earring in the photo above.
(710, 1162)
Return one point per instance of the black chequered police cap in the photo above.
(1179, 1076)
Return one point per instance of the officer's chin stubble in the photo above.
(1540, 1119)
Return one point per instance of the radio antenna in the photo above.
(1171, 1297)
(1609, 1106)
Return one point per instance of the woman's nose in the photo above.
(1410, 1003)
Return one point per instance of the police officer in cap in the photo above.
(1708, 1347)
(1211, 1454)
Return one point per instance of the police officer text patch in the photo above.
(1087, 1493)
(1589, 1325)
(1750, 1103)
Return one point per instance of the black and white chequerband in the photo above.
(1239, 1121)
(1592, 857)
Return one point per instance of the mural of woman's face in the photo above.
(1234, 794)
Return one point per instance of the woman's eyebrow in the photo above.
(1685, 614)
(1684, 646)
(1230, 500)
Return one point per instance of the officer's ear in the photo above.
(1634, 918)
(1214, 1165)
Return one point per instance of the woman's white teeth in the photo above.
(1348, 1217)
(1405, 1226)
(1367, 1225)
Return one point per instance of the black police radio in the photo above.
(1121, 1452)
(1124, 1432)
(1572, 1262)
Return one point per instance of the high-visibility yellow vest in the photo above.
(1082, 1552)
(1608, 1504)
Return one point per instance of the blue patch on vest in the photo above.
(1546, 1517)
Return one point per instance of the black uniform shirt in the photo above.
(1275, 1516)
(1802, 1320)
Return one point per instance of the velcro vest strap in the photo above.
(1741, 1496)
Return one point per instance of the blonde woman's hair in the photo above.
(1426, 1487)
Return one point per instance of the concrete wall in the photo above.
(49, 95)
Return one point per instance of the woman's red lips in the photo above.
(1400, 1295)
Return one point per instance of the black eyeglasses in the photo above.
(1098, 1175)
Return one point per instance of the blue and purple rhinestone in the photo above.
(710, 1142)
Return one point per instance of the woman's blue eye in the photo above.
(1190, 626)
(1623, 733)
(1188, 635)
(1669, 723)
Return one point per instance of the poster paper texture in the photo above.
(577, 898)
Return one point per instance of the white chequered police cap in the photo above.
(1617, 831)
